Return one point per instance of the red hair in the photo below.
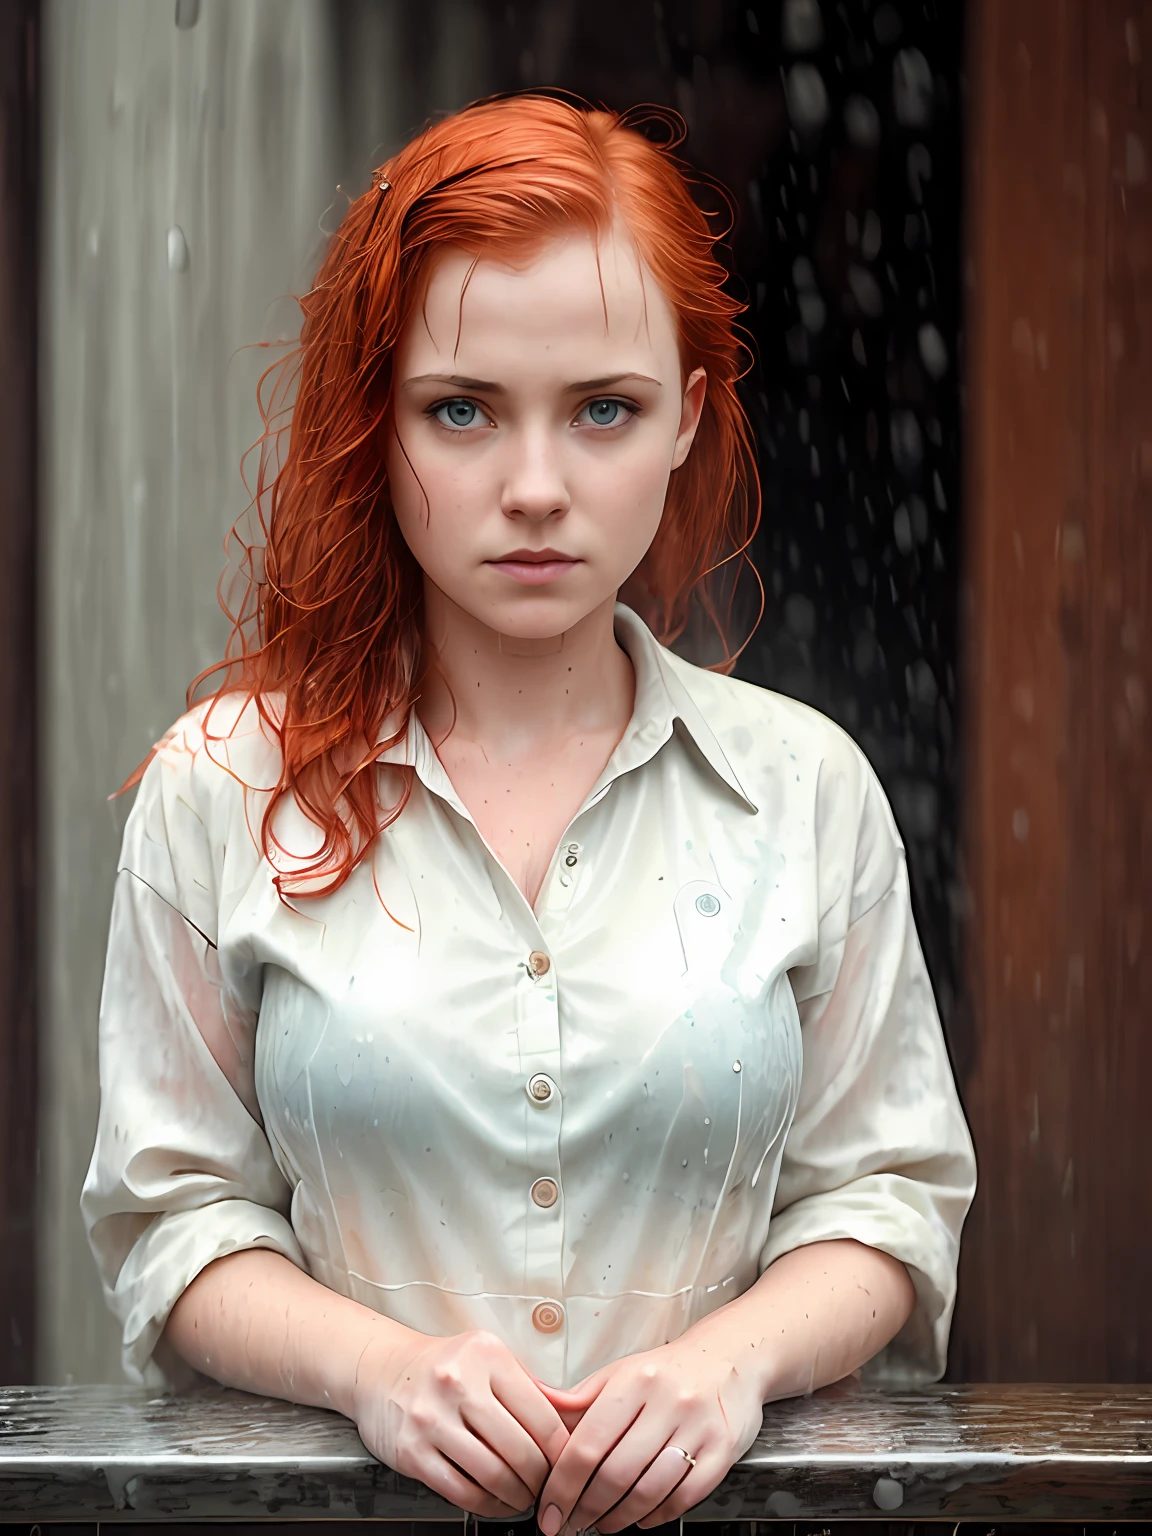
(332, 591)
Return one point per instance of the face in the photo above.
(536, 422)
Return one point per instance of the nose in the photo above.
(534, 486)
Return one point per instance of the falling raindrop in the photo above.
(803, 275)
(861, 122)
(912, 89)
(866, 291)
(871, 239)
(813, 312)
(933, 352)
(800, 616)
(887, 26)
(907, 441)
(801, 26)
(919, 170)
(807, 97)
(177, 250)
(902, 530)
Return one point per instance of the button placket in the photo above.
(538, 1033)
(561, 885)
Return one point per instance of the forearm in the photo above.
(254, 1320)
(812, 1318)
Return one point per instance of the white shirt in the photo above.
(582, 1126)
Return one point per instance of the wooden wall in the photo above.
(19, 202)
(1057, 1264)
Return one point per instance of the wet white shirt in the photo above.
(582, 1126)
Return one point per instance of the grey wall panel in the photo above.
(235, 131)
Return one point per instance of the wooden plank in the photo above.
(19, 108)
(1057, 1264)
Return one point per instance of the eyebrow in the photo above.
(489, 387)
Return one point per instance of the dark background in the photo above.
(836, 127)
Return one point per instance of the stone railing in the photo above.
(959, 1453)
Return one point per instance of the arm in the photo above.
(859, 1264)
(254, 1320)
(189, 1213)
(814, 1316)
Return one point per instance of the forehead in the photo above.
(576, 297)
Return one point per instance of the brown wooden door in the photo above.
(1056, 1272)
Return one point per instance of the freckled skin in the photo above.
(542, 691)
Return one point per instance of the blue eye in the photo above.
(606, 413)
(457, 413)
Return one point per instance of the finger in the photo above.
(439, 1474)
(628, 1465)
(524, 1399)
(655, 1485)
(491, 1422)
(479, 1462)
(569, 1405)
(707, 1474)
(605, 1422)
(584, 1391)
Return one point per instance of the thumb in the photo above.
(582, 1394)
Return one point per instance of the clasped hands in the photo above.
(464, 1416)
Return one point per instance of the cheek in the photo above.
(430, 495)
(628, 489)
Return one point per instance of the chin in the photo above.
(515, 628)
(538, 620)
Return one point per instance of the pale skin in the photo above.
(544, 411)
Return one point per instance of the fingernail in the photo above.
(551, 1520)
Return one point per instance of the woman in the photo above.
(514, 1037)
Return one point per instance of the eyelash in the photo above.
(632, 409)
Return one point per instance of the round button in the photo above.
(539, 963)
(707, 905)
(545, 1192)
(540, 1088)
(548, 1317)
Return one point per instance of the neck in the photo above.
(521, 697)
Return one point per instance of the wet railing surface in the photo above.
(117, 1454)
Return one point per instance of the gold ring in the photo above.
(691, 1460)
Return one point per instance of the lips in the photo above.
(532, 557)
(535, 567)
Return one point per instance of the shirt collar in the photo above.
(664, 696)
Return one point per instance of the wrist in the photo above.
(370, 1363)
(732, 1335)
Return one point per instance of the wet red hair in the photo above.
(330, 589)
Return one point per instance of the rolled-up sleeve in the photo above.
(182, 1171)
(879, 1149)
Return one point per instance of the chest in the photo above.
(522, 808)
(663, 1022)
